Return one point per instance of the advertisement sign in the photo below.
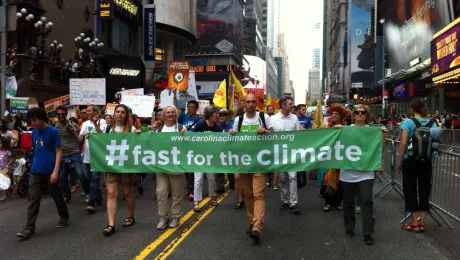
(22, 104)
(444, 49)
(254, 71)
(142, 106)
(178, 75)
(123, 72)
(219, 27)
(410, 26)
(51, 105)
(149, 36)
(106, 10)
(87, 91)
(360, 48)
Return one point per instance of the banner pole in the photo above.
(229, 85)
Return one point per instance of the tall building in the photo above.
(268, 22)
(281, 51)
(253, 40)
(291, 86)
(316, 58)
(280, 75)
(314, 84)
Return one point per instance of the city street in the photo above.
(221, 233)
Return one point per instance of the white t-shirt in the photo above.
(252, 124)
(170, 129)
(88, 127)
(19, 167)
(356, 175)
(119, 129)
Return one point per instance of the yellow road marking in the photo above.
(147, 250)
(176, 242)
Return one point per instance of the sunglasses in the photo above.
(360, 112)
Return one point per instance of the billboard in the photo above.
(149, 35)
(444, 49)
(410, 26)
(360, 45)
(255, 73)
(219, 27)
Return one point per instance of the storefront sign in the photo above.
(124, 72)
(106, 9)
(444, 48)
(149, 35)
(127, 5)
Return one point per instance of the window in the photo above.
(160, 58)
(120, 36)
(177, 51)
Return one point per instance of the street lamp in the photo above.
(43, 30)
(55, 49)
(24, 23)
(88, 50)
(382, 21)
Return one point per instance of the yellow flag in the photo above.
(220, 97)
(239, 88)
(318, 122)
(269, 100)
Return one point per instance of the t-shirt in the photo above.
(356, 175)
(45, 143)
(252, 124)
(88, 127)
(5, 156)
(70, 145)
(227, 127)
(305, 122)
(119, 129)
(170, 129)
(204, 127)
(410, 126)
(19, 167)
(189, 122)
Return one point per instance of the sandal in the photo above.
(421, 227)
(129, 221)
(108, 231)
(410, 227)
(90, 209)
(196, 207)
(239, 205)
(327, 208)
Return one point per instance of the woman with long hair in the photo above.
(416, 173)
(330, 188)
(170, 182)
(122, 124)
(353, 181)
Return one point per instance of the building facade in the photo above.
(314, 84)
(316, 58)
(268, 22)
(280, 74)
(272, 74)
(281, 52)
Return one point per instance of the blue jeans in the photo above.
(66, 163)
(95, 186)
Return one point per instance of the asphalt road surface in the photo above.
(220, 233)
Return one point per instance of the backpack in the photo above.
(419, 147)
(261, 116)
(179, 128)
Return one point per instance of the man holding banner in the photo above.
(285, 121)
(253, 184)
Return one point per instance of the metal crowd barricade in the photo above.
(445, 194)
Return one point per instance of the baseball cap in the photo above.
(223, 112)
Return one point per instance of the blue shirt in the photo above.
(45, 143)
(227, 127)
(188, 121)
(410, 127)
(305, 122)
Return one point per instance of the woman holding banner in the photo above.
(353, 181)
(122, 124)
(170, 182)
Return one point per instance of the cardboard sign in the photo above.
(142, 106)
(87, 91)
(110, 109)
(133, 92)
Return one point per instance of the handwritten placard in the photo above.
(133, 92)
(87, 91)
(110, 109)
(142, 106)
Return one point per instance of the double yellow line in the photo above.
(171, 246)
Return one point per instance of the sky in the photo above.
(298, 18)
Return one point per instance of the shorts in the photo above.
(119, 178)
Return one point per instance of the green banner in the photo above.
(358, 148)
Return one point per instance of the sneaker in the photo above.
(174, 223)
(249, 230)
(68, 199)
(255, 236)
(163, 224)
(87, 199)
(275, 188)
(350, 233)
(190, 197)
(26, 233)
(284, 206)
(62, 223)
(368, 240)
(294, 209)
(358, 210)
(82, 194)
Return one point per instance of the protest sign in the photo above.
(22, 104)
(87, 91)
(142, 106)
(110, 109)
(358, 148)
(52, 104)
(133, 92)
